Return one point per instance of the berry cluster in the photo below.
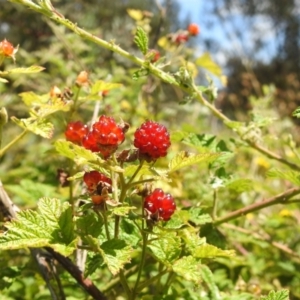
(160, 206)
(105, 137)
(152, 139)
(183, 36)
(98, 186)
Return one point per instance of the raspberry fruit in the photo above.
(154, 54)
(7, 49)
(105, 136)
(95, 181)
(75, 132)
(193, 29)
(159, 205)
(152, 139)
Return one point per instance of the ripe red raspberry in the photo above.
(105, 136)
(152, 139)
(107, 132)
(75, 132)
(160, 205)
(193, 29)
(93, 179)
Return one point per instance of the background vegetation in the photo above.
(260, 148)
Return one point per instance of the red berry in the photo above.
(193, 29)
(75, 132)
(154, 54)
(152, 139)
(107, 132)
(160, 205)
(93, 179)
(181, 38)
(90, 143)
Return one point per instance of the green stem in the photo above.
(151, 280)
(141, 266)
(281, 198)
(14, 141)
(215, 205)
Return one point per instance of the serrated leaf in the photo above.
(280, 295)
(198, 217)
(130, 232)
(191, 239)
(140, 73)
(145, 170)
(77, 153)
(93, 264)
(184, 159)
(135, 14)
(32, 69)
(89, 224)
(115, 253)
(296, 113)
(210, 251)
(50, 226)
(189, 268)
(32, 99)
(122, 210)
(166, 248)
(208, 278)
(37, 126)
(141, 40)
(289, 175)
(205, 61)
(240, 185)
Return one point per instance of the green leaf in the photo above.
(141, 40)
(122, 210)
(50, 226)
(93, 264)
(115, 253)
(208, 278)
(100, 86)
(189, 268)
(166, 248)
(296, 113)
(37, 126)
(205, 61)
(289, 175)
(89, 224)
(198, 216)
(145, 170)
(210, 251)
(240, 185)
(32, 69)
(8, 276)
(130, 232)
(77, 153)
(184, 159)
(280, 295)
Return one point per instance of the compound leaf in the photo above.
(141, 40)
(280, 295)
(50, 226)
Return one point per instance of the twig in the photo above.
(281, 198)
(75, 272)
(266, 238)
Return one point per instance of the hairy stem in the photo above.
(14, 141)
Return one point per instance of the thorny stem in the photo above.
(14, 141)
(281, 198)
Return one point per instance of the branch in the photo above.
(75, 272)
(281, 198)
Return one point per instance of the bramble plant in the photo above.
(137, 215)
